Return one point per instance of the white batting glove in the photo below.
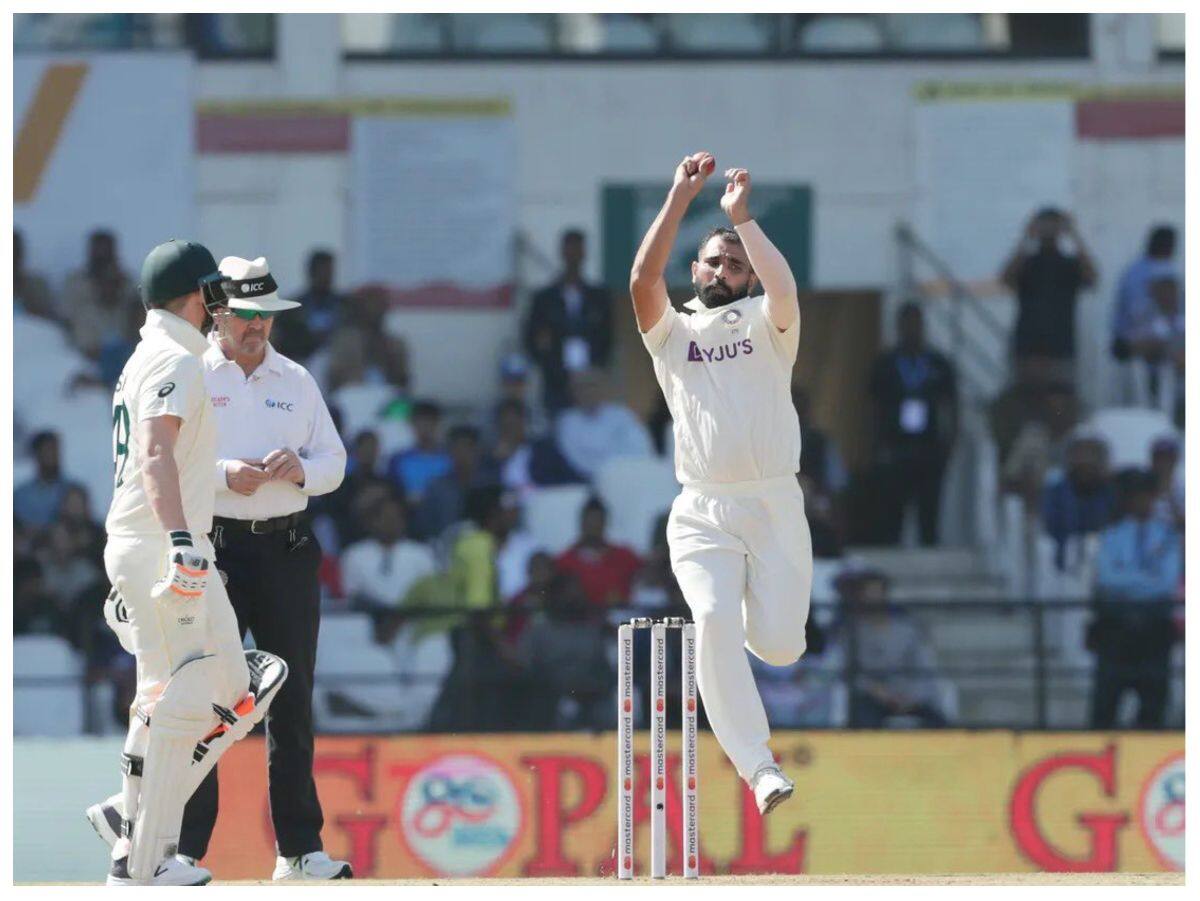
(116, 614)
(187, 572)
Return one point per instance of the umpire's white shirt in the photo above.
(279, 405)
(726, 374)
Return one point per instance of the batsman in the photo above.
(197, 690)
(738, 535)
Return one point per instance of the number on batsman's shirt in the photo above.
(164, 377)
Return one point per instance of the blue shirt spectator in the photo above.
(37, 503)
(1133, 288)
(414, 469)
(1081, 502)
(1140, 560)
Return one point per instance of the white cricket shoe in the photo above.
(105, 818)
(771, 788)
(315, 865)
(172, 871)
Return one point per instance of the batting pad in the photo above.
(183, 715)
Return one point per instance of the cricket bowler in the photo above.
(738, 535)
(197, 690)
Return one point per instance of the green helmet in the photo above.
(174, 269)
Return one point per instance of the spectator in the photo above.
(1047, 283)
(361, 395)
(819, 456)
(1169, 505)
(442, 504)
(31, 291)
(1138, 572)
(569, 681)
(378, 571)
(476, 693)
(1133, 289)
(894, 659)
(514, 387)
(35, 611)
(823, 525)
(299, 337)
(413, 469)
(1041, 445)
(596, 430)
(363, 472)
(605, 571)
(85, 535)
(1157, 341)
(654, 590)
(569, 326)
(386, 352)
(1082, 500)
(913, 387)
(522, 463)
(37, 503)
(97, 301)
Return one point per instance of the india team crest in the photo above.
(731, 317)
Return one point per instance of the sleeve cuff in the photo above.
(222, 485)
(657, 335)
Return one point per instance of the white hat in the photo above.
(251, 286)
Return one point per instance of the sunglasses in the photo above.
(251, 315)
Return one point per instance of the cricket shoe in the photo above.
(105, 818)
(771, 788)
(315, 865)
(172, 871)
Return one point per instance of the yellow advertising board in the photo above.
(544, 805)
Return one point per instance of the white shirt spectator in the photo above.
(589, 439)
(383, 574)
(277, 406)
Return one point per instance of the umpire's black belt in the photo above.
(258, 526)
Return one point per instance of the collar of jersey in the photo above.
(177, 329)
(697, 307)
(217, 357)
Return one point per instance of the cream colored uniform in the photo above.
(739, 538)
(164, 377)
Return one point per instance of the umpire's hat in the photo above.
(174, 269)
(249, 285)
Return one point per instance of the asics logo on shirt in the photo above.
(698, 354)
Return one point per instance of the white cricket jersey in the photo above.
(164, 377)
(279, 405)
(726, 375)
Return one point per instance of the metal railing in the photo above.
(1001, 664)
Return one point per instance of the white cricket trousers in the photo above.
(133, 565)
(742, 554)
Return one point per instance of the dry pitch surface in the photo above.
(1078, 879)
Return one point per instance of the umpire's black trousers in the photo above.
(274, 591)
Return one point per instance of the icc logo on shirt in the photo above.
(286, 406)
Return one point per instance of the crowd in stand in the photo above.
(425, 534)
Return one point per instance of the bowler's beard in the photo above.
(717, 294)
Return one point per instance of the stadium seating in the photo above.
(637, 490)
(48, 694)
(1129, 433)
(351, 666)
(552, 515)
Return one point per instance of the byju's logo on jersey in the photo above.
(286, 406)
(698, 354)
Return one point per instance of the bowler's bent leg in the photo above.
(779, 572)
(710, 566)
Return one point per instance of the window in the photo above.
(714, 36)
(1170, 35)
(210, 35)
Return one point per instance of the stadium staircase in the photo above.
(985, 649)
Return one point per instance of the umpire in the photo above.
(276, 447)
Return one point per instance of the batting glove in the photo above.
(187, 571)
